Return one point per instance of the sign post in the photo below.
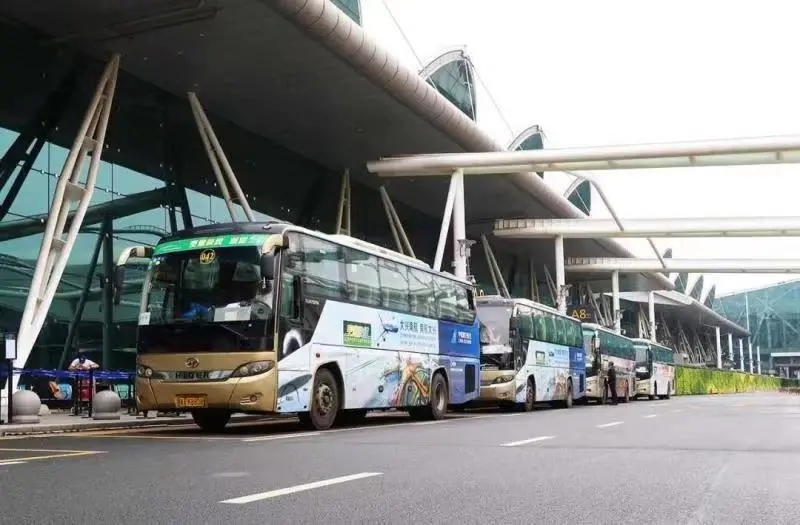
(10, 355)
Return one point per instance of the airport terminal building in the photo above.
(772, 314)
(290, 123)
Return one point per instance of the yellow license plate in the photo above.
(191, 401)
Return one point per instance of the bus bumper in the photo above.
(499, 393)
(592, 389)
(254, 394)
(643, 388)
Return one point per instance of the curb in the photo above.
(44, 429)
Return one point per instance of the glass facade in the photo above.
(155, 178)
(351, 8)
(581, 197)
(455, 81)
(774, 321)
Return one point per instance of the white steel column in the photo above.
(750, 353)
(615, 301)
(216, 155)
(719, 348)
(730, 348)
(459, 228)
(561, 281)
(446, 217)
(651, 315)
(758, 354)
(56, 243)
(741, 355)
(343, 211)
(398, 232)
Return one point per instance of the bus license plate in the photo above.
(192, 376)
(191, 401)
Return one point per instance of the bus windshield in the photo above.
(643, 361)
(495, 325)
(219, 288)
(204, 285)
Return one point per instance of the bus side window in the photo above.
(550, 322)
(561, 338)
(540, 333)
(446, 299)
(287, 296)
(525, 325)
(394, 285)
(324, 268)
(363, 286)
(464, 311)
(420, 292)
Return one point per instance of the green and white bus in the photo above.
(655, 369)
(603, 346)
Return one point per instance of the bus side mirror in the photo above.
(595, 343)
(267, 263)
(119, 282)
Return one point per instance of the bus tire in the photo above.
(211, 420)
(530, 396)
(325, 400)
(654, 395)
(437, 404)
(669, 391)
(568, 400)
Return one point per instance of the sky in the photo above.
(625, 72)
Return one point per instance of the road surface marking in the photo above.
(648, 416)
(678, 410)
(300, 488)
(11, 462)
(281, 436)
(526, 441)
(189, 438)
(55, 454)
(511, 415)
(612, 424)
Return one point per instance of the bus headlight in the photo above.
(502, 379)
(144, 371)
(253, 369)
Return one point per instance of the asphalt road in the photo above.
(716, 459)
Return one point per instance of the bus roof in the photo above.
(593, 326)
(495, 299)
(651, 343)
(274, 227)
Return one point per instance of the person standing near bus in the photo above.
(611, 381)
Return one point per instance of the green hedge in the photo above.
(689, 380)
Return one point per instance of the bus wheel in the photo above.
(530, 397)
(568, 401)
(211, 420)
(668, 394)
(437, 406)
(325, 400)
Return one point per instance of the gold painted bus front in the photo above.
(164, 392)
(492, 392)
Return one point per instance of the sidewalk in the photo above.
(56, 423)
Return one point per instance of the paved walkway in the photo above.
(63, 422)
